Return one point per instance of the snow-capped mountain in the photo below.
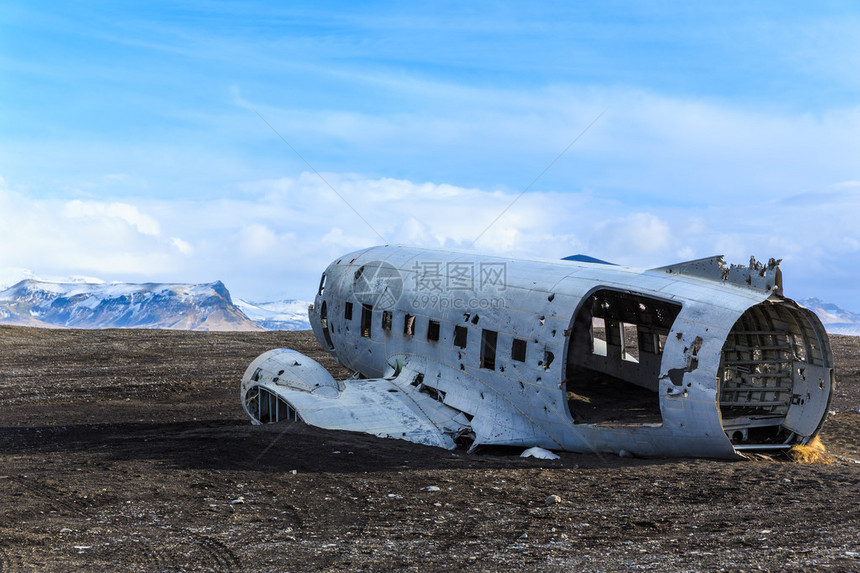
(32, 302)
(277, 315)
(83, 302)
(835, 319)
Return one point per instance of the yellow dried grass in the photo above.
(812, 453)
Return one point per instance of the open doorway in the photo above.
(324, 324)
(614, 356)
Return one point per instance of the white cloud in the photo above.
(639, 233)
(58, 237)
(257, 240)
(277, 239)
(182, 246)
(647, 146)
(99, 213)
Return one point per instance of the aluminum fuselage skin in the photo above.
(525, 402)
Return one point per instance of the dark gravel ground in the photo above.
(128, 450)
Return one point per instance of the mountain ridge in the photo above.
(92, 304)
(836, 320)
(171, 306)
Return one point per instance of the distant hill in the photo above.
(89, 303)
(836, 319)
(277, 315)
(32, 302)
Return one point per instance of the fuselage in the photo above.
(582, 356)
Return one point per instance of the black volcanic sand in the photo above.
(128, 450)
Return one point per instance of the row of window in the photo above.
(461, 334)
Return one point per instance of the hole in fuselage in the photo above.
(614, 356)
(766, 360)
(266, 407)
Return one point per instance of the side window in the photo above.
(347, 311)
(322, 285)
(518, 350)
(408, 325)
(461, 334)
(433, 330)
(366, 320)
(488, 349)
(386, 320)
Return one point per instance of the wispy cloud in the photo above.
(278, 238)
(130, 148)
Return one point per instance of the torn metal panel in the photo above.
(756, 275)
(695, 359)
(389, 408)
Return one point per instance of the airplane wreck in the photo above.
(447, 348)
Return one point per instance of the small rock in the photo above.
(553, 499)
(432, 488)
(239, 499)
(624, 454)
(294, 472)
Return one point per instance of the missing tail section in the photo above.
(775, 377)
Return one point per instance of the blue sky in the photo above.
(131, 147)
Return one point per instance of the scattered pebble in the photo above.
(553, 499)
(432, 488)
(239, 499)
